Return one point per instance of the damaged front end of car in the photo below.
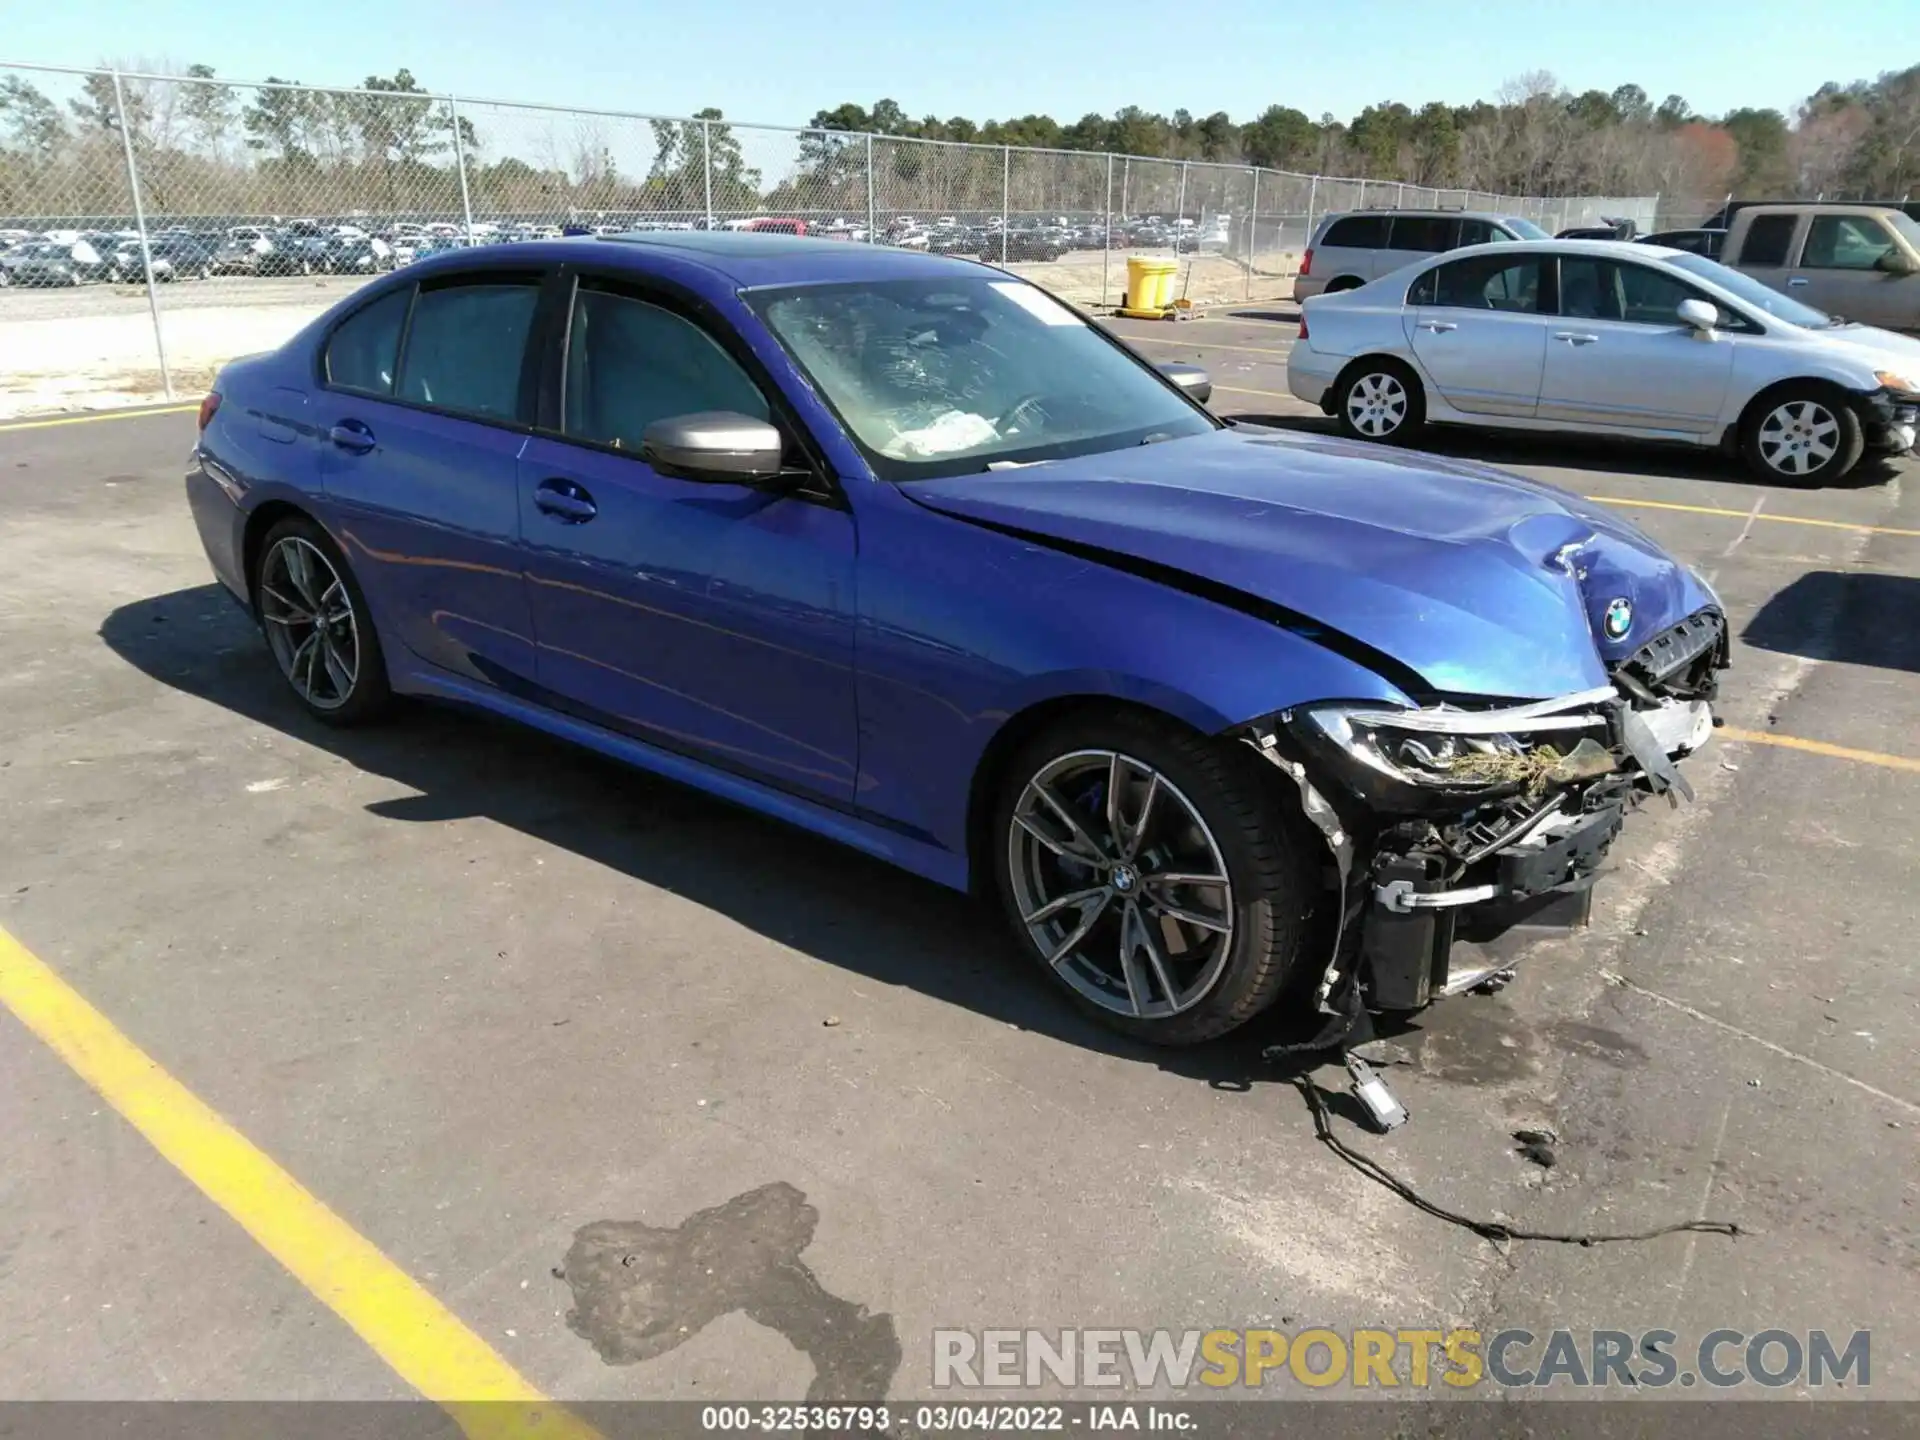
(1455, 824)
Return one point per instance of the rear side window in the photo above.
(1480, 232)
(362, 352)
(1357, 232)
(1768, 238)
(1489, 282)
(465, 348)
(630, 363)
(1429, 234)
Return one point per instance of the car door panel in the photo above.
(1482, 362)
(1836, 272)
(1652, 373)
(427, 503)
(712, 619)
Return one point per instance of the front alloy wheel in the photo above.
(1120, 884)
(1151, 873)
(316, 627)
(1804, 437)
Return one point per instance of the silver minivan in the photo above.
(1348, 250)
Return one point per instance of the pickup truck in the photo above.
(1860, 262)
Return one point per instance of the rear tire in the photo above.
(1801, 435)
(1379, 399)
(1096, 903)
(317, 625)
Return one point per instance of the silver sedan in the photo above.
(1608, 338)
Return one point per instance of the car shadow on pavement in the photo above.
(1586, 452)
(1853, 617)
(830, 902)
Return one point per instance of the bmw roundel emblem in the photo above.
(1618, 619)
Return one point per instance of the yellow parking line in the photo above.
(94, 415)
(1819, 747)
(1193, 344)
(424, 1342)
(1242, 390)
(1744, 514)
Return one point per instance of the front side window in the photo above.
(363, 350)
(466, 345)
(630, 363)
(1845, 242)
(1768, 239)
(1428, 234)
(1523, 229)
(1480, 232)
(1596, 289)
(949, 375)
(1489, 282)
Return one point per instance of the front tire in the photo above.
(317, 626)
(1801, 435)
(1151, 872)
(1381, 400)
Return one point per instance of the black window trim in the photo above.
(541, 275)
(823, 484)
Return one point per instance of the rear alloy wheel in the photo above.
(316, 624)
(1380, 401)
(1802, 437)
(1148, 871)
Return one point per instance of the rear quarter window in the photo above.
(1357, 232)
(364, 349)
(1768, 239)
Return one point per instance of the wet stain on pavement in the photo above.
(1596, 1042)
(1474, 1041)
(639, 1291)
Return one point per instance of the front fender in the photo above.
(963, 629)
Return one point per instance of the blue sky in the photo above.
(778, 61)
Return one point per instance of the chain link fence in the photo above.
(168, 223)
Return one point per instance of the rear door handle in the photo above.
(352, 436)
(1575, 337)
(1797, 280)
(565, 501)
(1437, 326)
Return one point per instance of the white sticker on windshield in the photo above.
(1037, 303)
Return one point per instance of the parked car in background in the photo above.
(355, 254)
(1610, 229)
(1857, 261)
(1608, 338)
(1348, 250)
(42, 263)
(1042, 243)
(984, 595)
(1705, 242)
(176, 256)
(778, 226)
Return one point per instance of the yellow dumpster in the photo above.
(1150, 282)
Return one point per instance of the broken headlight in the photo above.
(1436, 759)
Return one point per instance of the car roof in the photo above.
(1623, 249)
(748, 258)
(1422, 212)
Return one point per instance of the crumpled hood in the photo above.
(1481, 582)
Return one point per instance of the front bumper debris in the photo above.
(1436, 903)
(1890, 420)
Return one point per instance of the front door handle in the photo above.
(1437, 326)
(1575, 337)
(565, 501)
(352, 436)
(1796, 281)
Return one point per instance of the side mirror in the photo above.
(1895, 262)
(1192, 379)
(721, 446)
(1698, 314)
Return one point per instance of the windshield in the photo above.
(952, 375)
(1759, 296)
(1525, 229)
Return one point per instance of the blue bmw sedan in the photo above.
(902, 551)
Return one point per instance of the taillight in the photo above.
(1306, 262)
(209, 403)
(1303, 322)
